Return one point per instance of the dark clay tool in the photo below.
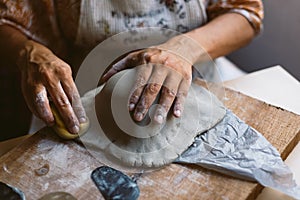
(8, 192)
(113, 184)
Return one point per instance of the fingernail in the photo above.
(177, 113)
(138, 116)
(75, 129)
(131, 106)
(159, 119)
(82, 120)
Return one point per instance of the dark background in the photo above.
(279, 44)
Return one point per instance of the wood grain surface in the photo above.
(70, 164)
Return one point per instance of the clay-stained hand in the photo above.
(160, 71)
(43, 74)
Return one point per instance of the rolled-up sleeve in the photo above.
(252, 10)
(35, 19)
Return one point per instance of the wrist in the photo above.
(185, 47)
(11, 42)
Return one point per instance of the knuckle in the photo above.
(44, 71)
(62, 102)
(76, 104)
(143, 105)
(153, 88)
(169, 93)
(75, 101)
(165, 106)
(150, 56)
(80, 113)
(65, 70)
(155, 50)
(129, 61)
(187, 76)
(40, 98)
(132, 57)
(141, 108)
(182, 94)
(169, 61)
(70, 120)
(161, 111)
(187, 72)
(178, 104)
(116, 67)
(134, 98)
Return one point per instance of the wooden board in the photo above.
(70, 165)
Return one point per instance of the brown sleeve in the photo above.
(36, 19)
(252, 10)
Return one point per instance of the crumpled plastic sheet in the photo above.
(234, 148)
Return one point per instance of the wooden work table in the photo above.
(70, 164)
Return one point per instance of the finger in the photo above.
(64, 107)
(36, 98)
(180, 98)
(167, 97)
(74, 98)
(28, 96)
(142, 75)
(150, 92)
(42, 107)
(130, 61)
(113, 70)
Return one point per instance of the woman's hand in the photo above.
(42, 75)
(160, 70)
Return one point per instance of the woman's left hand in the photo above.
(159, 71)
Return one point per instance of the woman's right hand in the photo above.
(45, 75)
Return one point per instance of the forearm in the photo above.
(221, 36)
(11, 43)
